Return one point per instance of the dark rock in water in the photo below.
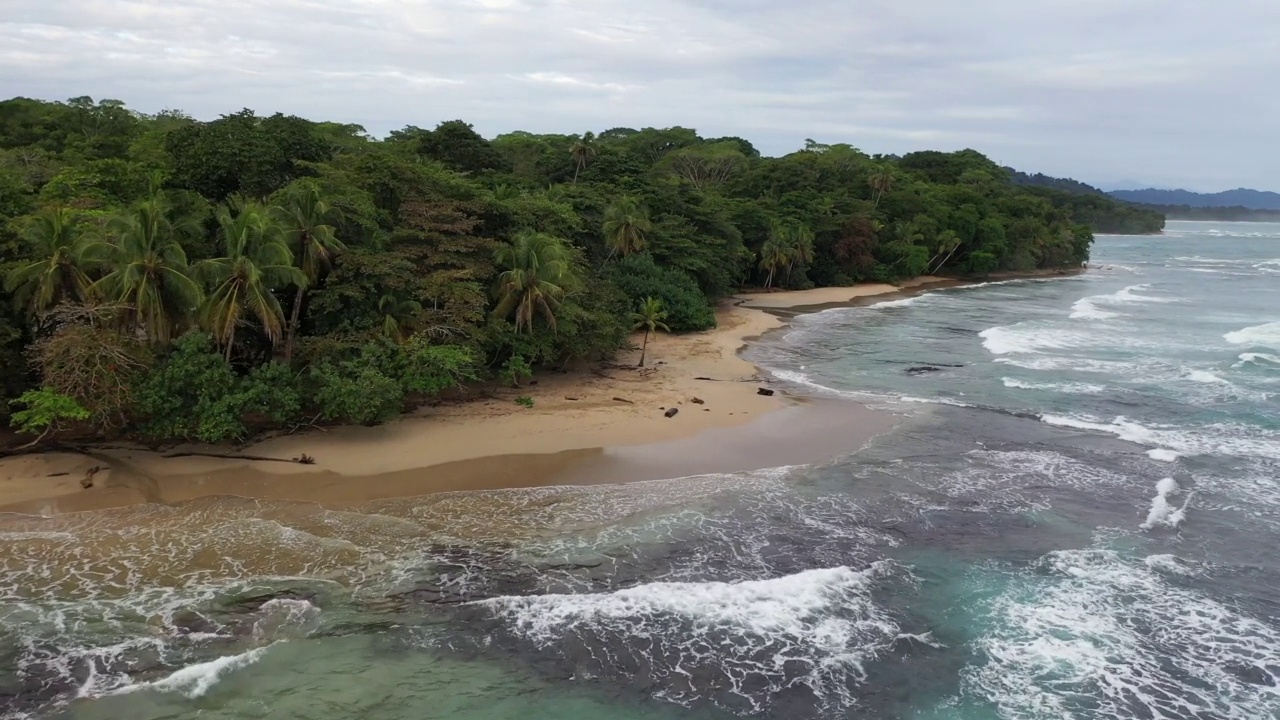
(765, 391)
(922, 369)
(189, 621)
(671, 412)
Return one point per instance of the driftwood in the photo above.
(624, 400)
(672, 412)
(304, 459)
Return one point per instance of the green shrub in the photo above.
(687, 308)
(45, 410)
(356, 392)
(191, 394)
(524, 401)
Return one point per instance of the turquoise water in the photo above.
(1075, 517)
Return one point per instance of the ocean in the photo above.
(1075, 515)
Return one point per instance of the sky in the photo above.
(1172, 93)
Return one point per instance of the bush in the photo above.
(524, 401)
(687, 308)
(95, 366)
(45, 410)
(190, 395)
(354, 392)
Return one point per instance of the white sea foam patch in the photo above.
(1162, 512)
(1089, 634)
(1068, 388)
(1163, 455)
(798, 378)
(1267, 335)
(904, 302)
(196, 680)
(724, 642)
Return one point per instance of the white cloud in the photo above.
(1096, 89)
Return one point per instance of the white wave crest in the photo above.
(1163, 455)
(1267, 335)
(1091, 635)
(1023, 338)
(1260, 359)
(1068, 388)
(732, 636)
(1204, 376)
(1217, 439)
(195, 680)
(903, 302)
(1085, 309)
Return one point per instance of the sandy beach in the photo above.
(601, 423)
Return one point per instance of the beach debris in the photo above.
(87, 481)
(697, 401)
(570, 397)
(623, 400)
(305, 459)
(765, 391)
(671, 412)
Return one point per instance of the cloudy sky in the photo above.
(1169, 92)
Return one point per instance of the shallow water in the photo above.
(1078, 520)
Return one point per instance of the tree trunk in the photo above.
(577, 168)
(231, 341)
(768, 282)
(644, 348)
(293, 326)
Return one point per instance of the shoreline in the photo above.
(603, 423)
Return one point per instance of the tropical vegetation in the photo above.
(170, 278)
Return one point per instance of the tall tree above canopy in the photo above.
(242, 153)
(537, 274)
(257, 260)
(58, 273)
(308, 225)
(461, 148)
(582, 150)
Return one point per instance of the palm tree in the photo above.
(773, 255)
(399, 317)
(148, 270)
(58, 273)
(649, 319)
(800, 245)
(625, 223)
(257, 261)
(582, 150)
(881, 181)
(309, 231)
(537, 274)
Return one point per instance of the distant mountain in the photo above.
(1241, 197)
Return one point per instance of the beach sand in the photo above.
(595, 424)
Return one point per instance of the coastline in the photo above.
(595, 424)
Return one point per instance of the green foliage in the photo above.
(191, 394)
(524, 401)
(402, 267)
(639, 278)
(45, 410)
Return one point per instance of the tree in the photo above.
(45, 412)
(650, 319)
(881, 181)
(58, 273)
(149, 276)
(399, 317)
(538, 273)
(773, 256)
(256, 261)
(626, 222)
(308, 223)
(582, 150)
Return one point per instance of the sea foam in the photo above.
(1267, 335)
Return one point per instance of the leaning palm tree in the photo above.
(149, 274)
(257, 261)
(582, 150)
(625, 223)
(538, 273)
(399, 317)
(308, 223)
(57, 274)
(650, 319)
(773, 256)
